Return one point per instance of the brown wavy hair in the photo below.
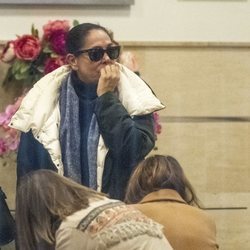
(159, 172)
(43, 200)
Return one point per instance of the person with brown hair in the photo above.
(55, 210)
(163, 193)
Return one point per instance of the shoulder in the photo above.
(205, 217)
(174, 212)
(115, 224)
(72, 238)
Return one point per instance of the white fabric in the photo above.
(40, 112)
(135, 95)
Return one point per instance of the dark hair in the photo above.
(159, 172)
(77, 35)
(44, 198)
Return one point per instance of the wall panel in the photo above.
(205, 125)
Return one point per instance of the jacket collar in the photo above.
(41, 100)
(163, 195)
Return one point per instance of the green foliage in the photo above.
(20, 69)
(47, 49)
(34, 31)
(75, 23)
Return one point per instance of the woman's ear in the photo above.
(72, 61)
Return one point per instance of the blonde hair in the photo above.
(43, 200)
(159, 172)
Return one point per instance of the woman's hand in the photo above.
(110, 76)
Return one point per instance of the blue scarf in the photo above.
(70, 139)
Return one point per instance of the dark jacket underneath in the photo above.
(129, 140)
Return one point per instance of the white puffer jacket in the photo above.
(39, 111)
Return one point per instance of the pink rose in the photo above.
(27, 47)
(9, 143)
(52, 26)
(3, 147)
(157, 125)
(8, 54)
(13, 144)
(10, 110)
(57, 41)
(157, 128)
(4, 120)
(13, 139)
(5, 117)
(53, 63)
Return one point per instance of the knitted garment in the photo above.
(114, 222)
(70, 136)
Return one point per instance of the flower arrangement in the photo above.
(30, 57)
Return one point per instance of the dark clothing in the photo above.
(129, 140)
(32, 156)
(87, 97)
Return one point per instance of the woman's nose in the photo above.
(106, 58)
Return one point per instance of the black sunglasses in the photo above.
(96, 54)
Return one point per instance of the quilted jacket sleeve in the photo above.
(128, 137)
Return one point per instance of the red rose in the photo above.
(27, 47)
(53, 63)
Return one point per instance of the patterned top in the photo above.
(110, 224)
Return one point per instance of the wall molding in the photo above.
(67, 2)
(157, 44)
(203, 119)
(190, 44)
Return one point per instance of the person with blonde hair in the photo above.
(163, 193)
(52, 210)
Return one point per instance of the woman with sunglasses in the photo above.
(90, 120)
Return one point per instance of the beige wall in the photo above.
(146, 20)
(205, 126)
